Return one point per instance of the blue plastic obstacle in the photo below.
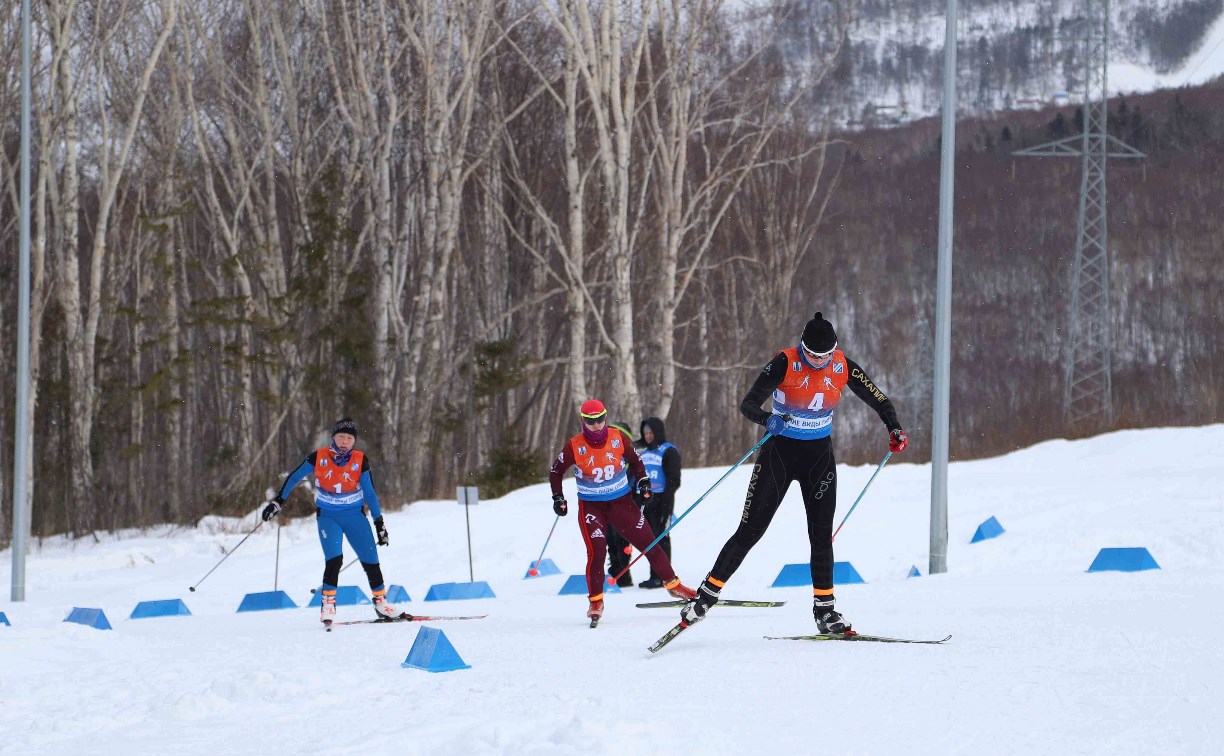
(396, 594)
(575, 585)
(801, 574)
(4, 620)
(1123, 560)
(914, 571)
(989, 529)
(95, 618)
(454, 591)
(432, 651)
(262, 602)
(162, 608)
(346, 595)
(545, 568)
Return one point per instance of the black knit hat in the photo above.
(818, 335)
(345, 425)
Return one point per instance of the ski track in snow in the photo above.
(1044, 658)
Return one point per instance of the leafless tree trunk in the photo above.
(608, 53)
(82, 306)
(732, 126)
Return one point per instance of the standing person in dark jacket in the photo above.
(607, 470)
(619, 549)
(662, 461)
(806, 382)
(343, 488)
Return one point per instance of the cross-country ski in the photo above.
(723, 602)
(405, 617)
(855, 637)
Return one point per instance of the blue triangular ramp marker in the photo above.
(94, 618)
(845, 574)
(346, 595)
(792, 575)
(545, 568)
(989, 529)
(163, 608)
(575, 585)
(396, 594)
(262, 602)
(433, 652)
(914, 572)
(4, 620)
(455, 591)
(1123, 560)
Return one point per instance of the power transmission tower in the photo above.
(1087, 385)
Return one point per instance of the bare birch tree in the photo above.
(100, 80)
(704, 106)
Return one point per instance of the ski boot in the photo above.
(327, 607)
(384, 610)
(679, 590)
(595, 611)
(828, 619)
(705, 597)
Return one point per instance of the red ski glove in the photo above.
(897, 441)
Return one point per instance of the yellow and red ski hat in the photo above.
(593, 409)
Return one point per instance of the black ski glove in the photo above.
(272, 509)
(643, 488)
(381, 529)
(559, 505)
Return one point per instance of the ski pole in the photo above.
(860, 496)
(535, 568)
(613, 578)
(227, 555)
(276, 573)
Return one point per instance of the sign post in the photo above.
(468, 496)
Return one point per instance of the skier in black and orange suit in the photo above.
(603, 459)
(806, 382)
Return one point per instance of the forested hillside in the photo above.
(453, 221)
(1012, 267)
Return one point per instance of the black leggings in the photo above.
(781, 461)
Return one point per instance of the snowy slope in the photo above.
(1011, 54)
(1045, 658)
(1205, 64)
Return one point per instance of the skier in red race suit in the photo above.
(603, 459)
(806, 382)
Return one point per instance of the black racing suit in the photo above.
(662, 504)
(783, 460)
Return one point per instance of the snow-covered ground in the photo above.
(1045, 658)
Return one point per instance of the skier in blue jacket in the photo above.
(343, 490)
